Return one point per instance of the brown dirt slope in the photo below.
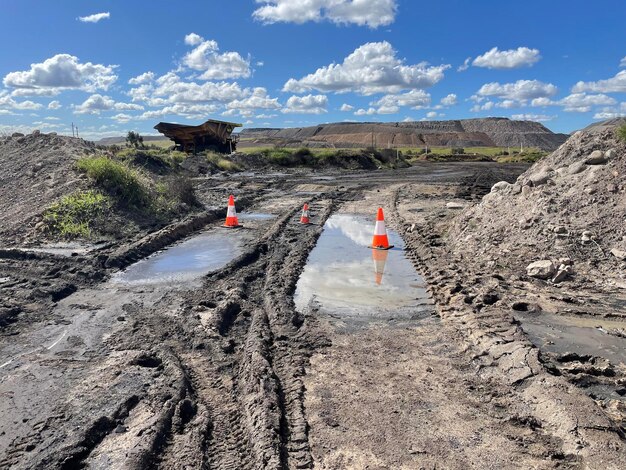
(35, 170)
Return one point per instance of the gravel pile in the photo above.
(566, 211)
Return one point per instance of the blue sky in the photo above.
(112, 66)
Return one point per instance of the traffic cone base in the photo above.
(380, 240)
(231, 214)
(304, 219)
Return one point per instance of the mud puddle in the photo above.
(186, 261)
(255, 216)
(65, 249)
(344, 278)
(585, 336)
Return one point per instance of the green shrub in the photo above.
(116, 178)
(75, 215)
(222, 162)
(621, 132)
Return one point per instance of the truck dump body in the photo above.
(211, 135)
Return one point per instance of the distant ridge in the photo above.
(488, 132)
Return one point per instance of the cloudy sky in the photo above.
(116, 65)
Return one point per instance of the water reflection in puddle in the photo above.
(346, 278)
(186, 261)
(65, 249)
(255, 216)
(560, 334)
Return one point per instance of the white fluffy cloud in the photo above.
(206, 58)
(582, 103)
(510, 59)
(616, 84)
(449, 100)
(519, 91)
(390, 104)
(143, 78)
(603, 115)
(371, 68)
(465, 65)
(7, 103)
(193, 39)
(122, 118)
(174, 95)
(309, 104)
(259, 99)
(54, 105)
(372, 13)
(532, 117)
(61, 72)
(97, 103)
(346, 107)
(623, 62)
(95, 17)
(486, 106)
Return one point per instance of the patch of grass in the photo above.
(116, 178)
(75, 215)
(222, 162)
(621, 133)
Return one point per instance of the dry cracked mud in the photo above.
(223, 372)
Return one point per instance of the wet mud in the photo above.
(246, 364)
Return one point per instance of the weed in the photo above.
(621, 132)
(76, 214)
(118, 179)
(222, 162)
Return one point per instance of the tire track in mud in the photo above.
(500, 351)
(249, 351)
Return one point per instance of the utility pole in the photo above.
(72, 129)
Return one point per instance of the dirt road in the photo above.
(161, 366)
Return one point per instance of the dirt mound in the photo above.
(489, 132)
(35, 170)
(570, 205)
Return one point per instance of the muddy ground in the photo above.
(223, 372)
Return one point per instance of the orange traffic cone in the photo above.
(231, 214)
(380, 258)
(304, 219)
(380, 240)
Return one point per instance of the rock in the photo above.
(587, 237)
(17, 134)
(40, 227)
(526, 190)
(566, 261)
(560, 277)
(560, 229)
(611, 188)
(543, 269)
(540, 178)
(575, 168)
(455, 205)
(36, 132)
(610, 154)
(500, 186)
(619, 254)
(596, 158)
(590, 190)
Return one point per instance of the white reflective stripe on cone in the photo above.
(231, 211)
(379, 229)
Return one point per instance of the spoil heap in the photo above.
(568, 208)
(35, 170)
